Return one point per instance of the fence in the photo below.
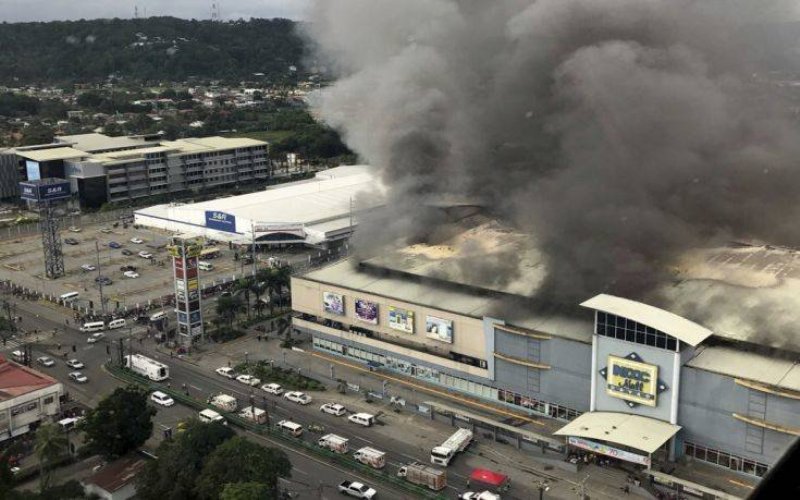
(295, 443)
(31, 228)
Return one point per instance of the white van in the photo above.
(291, 428)
(94, 326)
(205, 266)
(116, 323)
(208, 416)
(364, 419)
(69, 297)
(158, 316)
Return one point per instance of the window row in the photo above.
(727, 460)
(610, 325)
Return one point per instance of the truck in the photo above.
(147, 367)
(444, 453)
(372, 457)
(483, 495)
(224, 402)
(356, 489)
(336, 444)
(424, 475)
(253, 414)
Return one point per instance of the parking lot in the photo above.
(22, 262)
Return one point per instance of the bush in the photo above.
(288, 378)
(225, 334)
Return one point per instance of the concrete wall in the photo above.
(707, 403)
(468, 333)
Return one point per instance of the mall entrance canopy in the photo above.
(632, 431)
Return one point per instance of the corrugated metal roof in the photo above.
(748, 365)
(665, 321)
(642, 433)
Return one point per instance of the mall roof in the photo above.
(16, 380)
(769, 370)
(665, 321)
(94, 142)
(641, 433)
(50, 154)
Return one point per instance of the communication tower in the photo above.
(47, 195)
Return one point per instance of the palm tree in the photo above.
(243, 285)
(227, 307)
(50, 444)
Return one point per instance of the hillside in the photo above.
(153, 49)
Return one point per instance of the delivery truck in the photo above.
(372, 457)
(336, 444)
(253, 414)
(147, 367)
(224, 402)
(444, 453)
(424, 475)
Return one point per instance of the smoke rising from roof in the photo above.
(618, 132)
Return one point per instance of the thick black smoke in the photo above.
(618, 132)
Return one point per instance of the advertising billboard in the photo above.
(366, 311)
(44, 190)
(610, 451)
(401, 319)
(220, 221)
(439, 329)
(333, 303)
(180, 285)
(182, 317)
(192, 284)
(32, 170)
(632, 381)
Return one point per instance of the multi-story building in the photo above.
(27, 398)
(106, 169)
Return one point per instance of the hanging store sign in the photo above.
(610, 451)
(220, 221)
(632, 380)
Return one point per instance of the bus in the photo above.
(209, 253)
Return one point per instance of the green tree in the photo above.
(173, 475)
(238, 460)
(37, 133)
(51, 443)
(227, 308)
(121, 422)
(245, 491)
(6, 477)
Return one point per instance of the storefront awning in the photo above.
(641, 433)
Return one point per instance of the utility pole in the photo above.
(255, 261)
(99, 278)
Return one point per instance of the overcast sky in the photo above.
(48, 10)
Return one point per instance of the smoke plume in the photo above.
(618, 132)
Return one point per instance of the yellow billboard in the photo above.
(632, 381)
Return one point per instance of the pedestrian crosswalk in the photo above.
(11, 344)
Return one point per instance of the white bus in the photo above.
(94, 326)
(150, 368)
(69, 297)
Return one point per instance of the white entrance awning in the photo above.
(641, 433)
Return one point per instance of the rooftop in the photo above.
(94, 142)
(17, 380)
(769, 370)
(50, 154)
(117, 474)
(643, 433)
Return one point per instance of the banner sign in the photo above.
(44, 191)
(401, 319)
(610, 451)
(439, 329)
(220, 221)
(367, 311)
(632, 380)
(333, 303)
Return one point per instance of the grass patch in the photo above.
(288, 378)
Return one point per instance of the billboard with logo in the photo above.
(439, 329)
(401, 319)
(44, 190)
(632, 381)
(220, 221)
(333, 303)
(366, 311)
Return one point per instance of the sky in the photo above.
(50, 10)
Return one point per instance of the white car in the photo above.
(137, 240)
(88, 267)
(273, 388)
(226, 372)
(145, 255)
(75, 364)
(130, 274)
(74, 229)
(249, 380)
(45, 361)
(483, 495)
(162, 399)
(78, 377)
(333, 409)
(298, 397)
(95, 337)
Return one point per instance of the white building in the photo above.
(27, 397)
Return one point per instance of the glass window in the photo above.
(672, 345)
(712, 456)
(723, 459)
(761, 469)
(749, 467)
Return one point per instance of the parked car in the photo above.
(70, 241)
(114, 244)
(105, 230)
(103, 280)
(75, 364)
(125, 251)
(131, 274)
(248, 380)
(298, 397)
(78, 377)
(145, 255)
(88, 267)
(226, 372)
(74, 229)
(137, 240)
(162, 399)
(45, 361)
(95, 337)
(272, 388)
(333, 409)
(128, 268)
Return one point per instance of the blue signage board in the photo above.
(44, 191)
(220, 221)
